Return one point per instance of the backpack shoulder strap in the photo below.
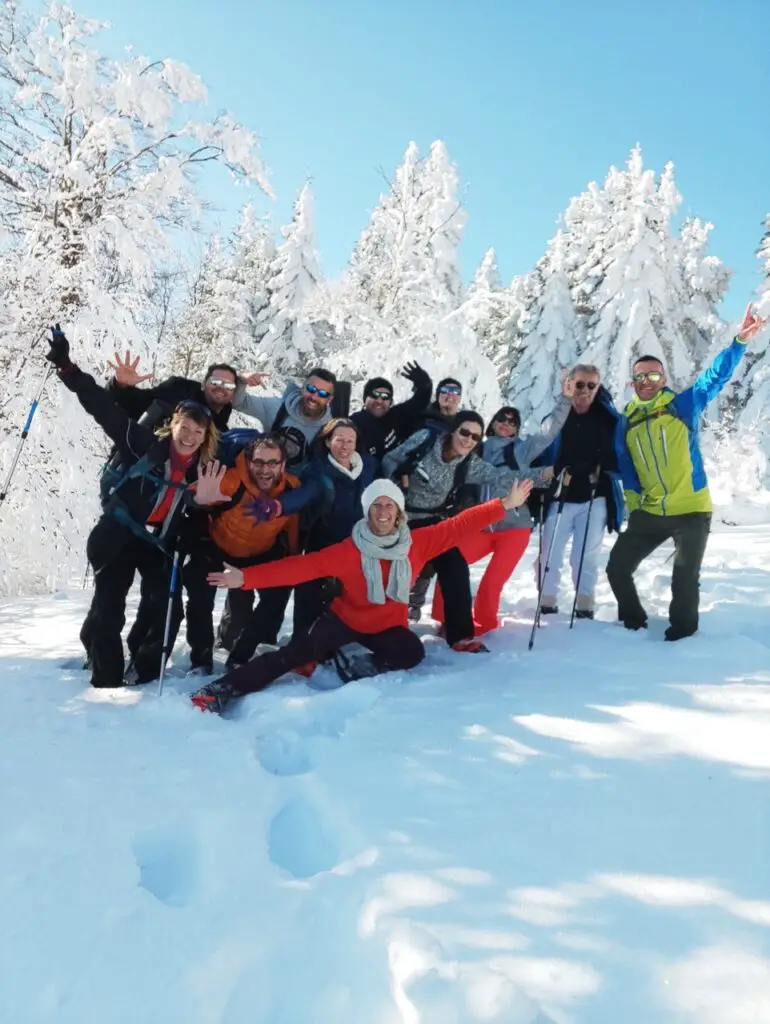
(280, 417)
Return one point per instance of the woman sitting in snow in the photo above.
(375, 567)
(143, 502)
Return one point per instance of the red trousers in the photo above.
(506, 548)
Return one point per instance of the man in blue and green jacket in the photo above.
(665, 484)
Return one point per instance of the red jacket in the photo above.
(343, 560)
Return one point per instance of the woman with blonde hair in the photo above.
(144, 496)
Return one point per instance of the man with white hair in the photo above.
(375, 567)
(585, 464)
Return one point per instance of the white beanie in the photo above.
(382, 489)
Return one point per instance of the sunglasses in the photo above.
(449, 389)
(266, 463)
(653, 376)
(217, 382)
(188, 406)
(384, 396)
(508, 419)
(586, 385)
(464, 432)
(321, 392)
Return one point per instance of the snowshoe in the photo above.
(472, 646)
(214, 697)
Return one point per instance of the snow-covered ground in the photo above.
(577, 834)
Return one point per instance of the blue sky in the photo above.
(533, 100)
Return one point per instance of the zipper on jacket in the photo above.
(657, 469)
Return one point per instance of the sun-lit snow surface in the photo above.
(579, 834)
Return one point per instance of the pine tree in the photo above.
(752, 390)
(402, 297)
(291, 345)
(705, 281)
(639, 300)
(550, 345)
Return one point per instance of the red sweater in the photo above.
(343, 560)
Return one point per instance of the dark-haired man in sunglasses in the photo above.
(297, 415)
(215, 393)
(584, 453)
(665, 483)
(384, 425)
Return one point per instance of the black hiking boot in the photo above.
(214, 697)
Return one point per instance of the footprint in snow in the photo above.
(169, 863)
(300, 842)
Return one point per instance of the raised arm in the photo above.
(422, 389)
(288, 572)
(528, 448)
(262, 407)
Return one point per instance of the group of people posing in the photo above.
(357, 513)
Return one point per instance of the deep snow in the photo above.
(579, 834)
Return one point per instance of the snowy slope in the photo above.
(579, 834)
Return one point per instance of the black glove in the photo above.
(420, 378)
(59, 352)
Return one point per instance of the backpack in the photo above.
(461, 495)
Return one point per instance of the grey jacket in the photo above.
(432, 480)
(298, 430)
(525, 450)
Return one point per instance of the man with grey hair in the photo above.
(584, 453)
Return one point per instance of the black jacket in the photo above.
(127, 511)
(136, 401)
(435, 420)
(380, 435)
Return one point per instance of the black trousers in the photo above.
(645, 533)
(255, 625)
(455, 580)
(393, 649)
(107, 616)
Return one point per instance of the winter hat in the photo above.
(382, 489)
(448, 380)
(377, 384)
(465, 416)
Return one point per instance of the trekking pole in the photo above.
(594, 485)
(25, 431)
(540, 522)
(169, 613)
(561, 494)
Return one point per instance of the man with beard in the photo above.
(243, 532)
(383, 425)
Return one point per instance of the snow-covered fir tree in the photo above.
(97, 162)
(551, 343)
(752, 390)
(288, 343)
(705, 280)
(402, 298)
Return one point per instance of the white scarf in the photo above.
(356, 465)
(394, 549)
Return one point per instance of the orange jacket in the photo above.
(343, 560)
(235, 530)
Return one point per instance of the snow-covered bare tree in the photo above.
(551, 344)
(97, 162)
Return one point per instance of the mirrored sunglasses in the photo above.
(586, 385)
(384, 396)
(321, 392)
(653, 376)
(217, 382)
(464, 432)
(450, 389)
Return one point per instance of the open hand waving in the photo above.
(208, 489)
(126, 371)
